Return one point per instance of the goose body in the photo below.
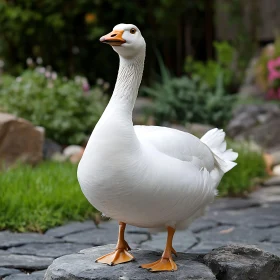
(147, 176)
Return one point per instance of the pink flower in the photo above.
(274, 69)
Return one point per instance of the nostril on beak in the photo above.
(113, 35)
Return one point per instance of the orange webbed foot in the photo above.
(118, 256)
(164, 264)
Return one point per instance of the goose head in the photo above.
(126, 40)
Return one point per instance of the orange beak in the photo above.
(114, 38)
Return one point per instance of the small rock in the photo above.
(7, 271)
(83, 266)
(72, 150)
(50, 148)
(273, 181)
(58, 157)
(25, 262)
(19, 141)
(276, 171)
(243, 262)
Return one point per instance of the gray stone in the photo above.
(183, 240)
(7, 271)
(273, 181)
(9, 239)
(234, 204)
(3, 252)
(23, 276)
(202, 225)
(83, 266)
(236, 262)
(268, 194)
(205, 247)
(234, 234)
(104, 234)
(52, 250)
(24, 262)
(70, 228)
(50, 147)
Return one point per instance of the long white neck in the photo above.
(128, 82)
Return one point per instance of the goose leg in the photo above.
(120, 254)
(165, 263)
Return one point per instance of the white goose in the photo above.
(147, 176)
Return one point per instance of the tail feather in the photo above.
(215, 140)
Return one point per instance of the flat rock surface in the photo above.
(83, 266)
(52, 250)
(38, 275)
(24, 262)
(70, 228)
(9, 239)
(253, 221)
(232, 262)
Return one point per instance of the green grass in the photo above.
(242, 178)
(35, 199)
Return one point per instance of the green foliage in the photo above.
(242, 178)
(181, 100)
(209, 70)
(62, 107)
(65, 33)
(36, 199)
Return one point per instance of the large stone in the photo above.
(24, 262)
(19, 141)
(83, 266)
(239, 262)
(258, 123)
(52, 250)
(9, 239)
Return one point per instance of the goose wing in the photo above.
(175, 143)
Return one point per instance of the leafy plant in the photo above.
(209, 70)
(183, 99)
(36, 199)
(67, 109)
(242, 178)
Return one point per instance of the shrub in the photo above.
(209, 70)
(242, 178)
(67, 109)
(181, 100)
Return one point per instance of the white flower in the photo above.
(2, 63)
(100, 81)
(39, 60)
(29, 61)
(18, 79)
(42, 70)
(48, 74)
(54, 75)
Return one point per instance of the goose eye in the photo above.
(132, 30)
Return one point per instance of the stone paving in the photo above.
(248, 221)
